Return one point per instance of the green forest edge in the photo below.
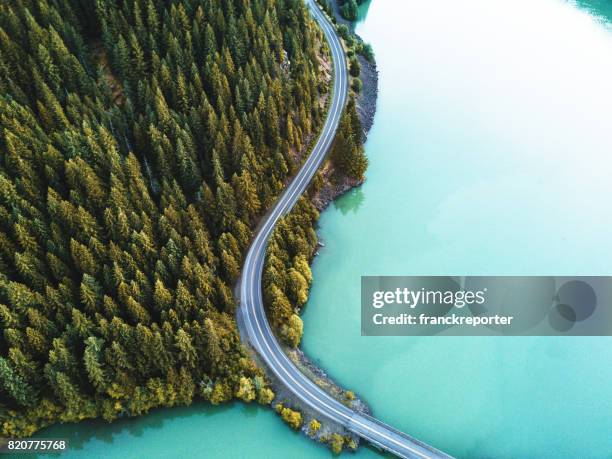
(126, 205)
(292, 246)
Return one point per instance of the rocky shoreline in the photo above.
(332, 188)
(327, 427)
(366, 102)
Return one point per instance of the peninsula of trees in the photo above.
(140, 140)
(287, 275)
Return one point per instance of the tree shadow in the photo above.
(363, 10)
(351, 201)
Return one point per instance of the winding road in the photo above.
(252, 315)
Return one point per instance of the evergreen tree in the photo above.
(347, 153)
(141, 140)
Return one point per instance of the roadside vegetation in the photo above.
(353, 44)
(292, 246)
(287, 274)
(291, 417)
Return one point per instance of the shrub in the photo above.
(354, 68)
(313, 427)
(293, 418)
(336, 443)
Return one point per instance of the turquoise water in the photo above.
(490, 154)
(199, 431)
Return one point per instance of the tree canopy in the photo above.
(140, 141)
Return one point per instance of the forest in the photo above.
(293, 244)
(140, 141)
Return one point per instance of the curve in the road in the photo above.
(252, 314)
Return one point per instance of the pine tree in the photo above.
(347, 152)
(19, 390)
(142, 140)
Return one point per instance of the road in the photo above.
(252, 315)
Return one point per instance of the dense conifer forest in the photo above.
(139, 142)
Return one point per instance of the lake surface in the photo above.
(490, 154)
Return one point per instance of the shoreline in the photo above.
(322, 198)
(366, 104)
(368, 98)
